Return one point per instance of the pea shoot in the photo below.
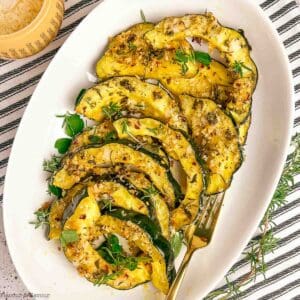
(72, 123)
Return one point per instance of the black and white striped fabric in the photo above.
(18, 80)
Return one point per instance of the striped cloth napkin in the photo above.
(18, 80)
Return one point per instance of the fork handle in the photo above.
(180, 275)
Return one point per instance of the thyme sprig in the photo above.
(42, 216)
(266, 241)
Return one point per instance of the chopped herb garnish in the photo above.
(124, 125)
(183, 58)
(150, 192)
(67, 237)
(52, 164)
(62, 145)
(111, 110)
(103, 279)
(72, 123)
(132, 46)
(112, 251)
(143, 16)
(239, 66)
(42, 216)
(79, 97)
(176, 242)
(106, 203)
(54, 190)
(95, 139)
(112, 135)
(156, 130)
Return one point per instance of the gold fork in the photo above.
(197, 235)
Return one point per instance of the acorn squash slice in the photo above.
(231, 44)
(80, 164)
(108, 193)
(129, 54)
(133, 95)
(142, 232)
(217, 138)
(87, 260)
(174, 142)
(212, 81)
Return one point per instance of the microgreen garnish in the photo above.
(79, 97)
(111, 110)
(266, 242)
(176, 242)
(143, 16)
(51, 165)
(62, 145)
(183, 58)
(54, 190)
(42, 216)
(72, 123)
(239, 66)
(67, 237)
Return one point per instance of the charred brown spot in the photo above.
(126, 84)
(131, 37)
(157, 95)
(211, 118)
(228, 134)
(82, 217)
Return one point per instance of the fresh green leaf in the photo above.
(113, 243)
(42, 217)
(79, 97)
(202, 57)
(72, 123)
(111, 110)
(52, 164)
(239, 67)
(181, 56)
(67, 237)
(176, 242)
(62, 145)
(54, 190)
(143, 16)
